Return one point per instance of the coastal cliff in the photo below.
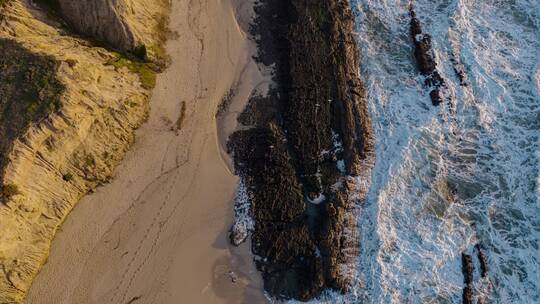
(306, 159)
(69, 111)
(128, 25)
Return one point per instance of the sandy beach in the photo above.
(158, 232)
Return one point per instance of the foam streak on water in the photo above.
(449, 177)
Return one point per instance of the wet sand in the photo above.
(158, 232)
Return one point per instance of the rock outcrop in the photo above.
(467, 268)
(69, 114)
(425, 59)
(482, 259)
(306, 160)
(470, 284)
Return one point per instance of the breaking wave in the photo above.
(464, 173)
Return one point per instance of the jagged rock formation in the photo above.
(73, 119)
(455, 58)
(459, 69)
(127, 25)
(425, 59)
(482, 259)
(467, 269)
(306, 162)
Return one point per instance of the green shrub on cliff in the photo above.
(145, 70)
(8, 191)
(67, 177)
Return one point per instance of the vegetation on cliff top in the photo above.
(146, 70)
(29, 92)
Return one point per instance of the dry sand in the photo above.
(158, 232)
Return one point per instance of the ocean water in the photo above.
(464, 173)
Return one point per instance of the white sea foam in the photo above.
(243, 222)
(449, 177)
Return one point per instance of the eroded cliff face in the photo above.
(29, 92)
(128, 25)
(62, 136)
(306, 160)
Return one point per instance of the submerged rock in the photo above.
(425, 59)
(459, 69)
(467, 269)
(483, 261)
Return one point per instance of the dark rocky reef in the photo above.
(29, 92)
(467, 269)
(482, 259)
(425, 59)
(459, 69)
(310, 141)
